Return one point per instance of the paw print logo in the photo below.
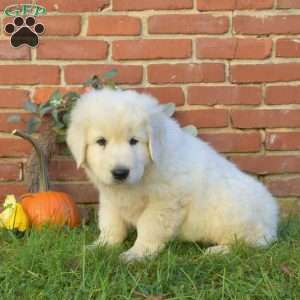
(24, 32)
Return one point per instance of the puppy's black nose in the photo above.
(120, 173)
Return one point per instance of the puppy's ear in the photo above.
(77, 142)
(155, 130)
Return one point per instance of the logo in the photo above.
(16, 10)
(24, 29)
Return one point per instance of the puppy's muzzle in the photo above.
(120, 174)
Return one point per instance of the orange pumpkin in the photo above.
(51, 207)
(45, 206)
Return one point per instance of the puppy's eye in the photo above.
(133, 141)
(102, 142)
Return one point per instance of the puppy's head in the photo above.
(115, 135)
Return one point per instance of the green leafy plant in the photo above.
(54, 115)
(57, 108)
(106, 79)
(59, 105)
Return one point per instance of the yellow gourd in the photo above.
(13, 215)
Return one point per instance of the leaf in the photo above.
(14, 119)
(43, 105)
(54, 114)
(55, 98)
(58, 125)
(88, 82)
(30, 106)
(60, 131)
(57, 122)
(56, 95)
(70, 106)
(71, 96)
(94, 82)
(191, 129)
(66, 118)
(60, 139)
(66, 151)
(45, 110)
(169, 109)
(110, 74)
(32, 125)
(110, 83)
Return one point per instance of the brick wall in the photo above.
(232, 67)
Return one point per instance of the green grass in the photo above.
(53, 264)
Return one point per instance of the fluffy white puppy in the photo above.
(162, 181)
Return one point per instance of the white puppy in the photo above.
(162, 181)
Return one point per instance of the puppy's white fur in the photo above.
(178, 186)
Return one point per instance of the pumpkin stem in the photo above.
(44, 179)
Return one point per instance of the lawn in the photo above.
(53, 264)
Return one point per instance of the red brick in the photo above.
(72, 49)
(186, 73)
(204, 118)
(284, 24)
(165, 94)
(4, 4)
(233, 142)
(119, 5)
(228, 95)
(261, 118)
(17, 189)
(81, 192)
(151, 49)
(114, 25)
(288, 3)
(233, 48)
(65, 170)
(196, 23)
(263, 164)
(283, 94)
(13, 98)
(29, 74)
(285, 187)
(288, 48)
(75, 6)
(10, 171)
(7, 52)
(61, 25)
(42, 94)
(7, 126)
(77, 74)
(283, 141)
(265, 73)
(14, 147)
(233, 4)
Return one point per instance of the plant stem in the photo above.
(43, 178)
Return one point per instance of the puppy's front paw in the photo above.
(94, 245)
(219, 249)
(131, 256)
(105, 241)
